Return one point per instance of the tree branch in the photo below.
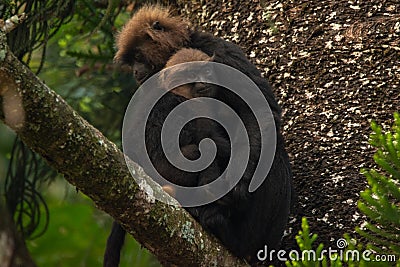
(13, 251)
(45, 122)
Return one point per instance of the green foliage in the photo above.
(6, 137)
(77, 234)
(381, 201)
(351, 254)
(7, 8)
(310, 255)
(79, 66)
(99, 93)
(43, 19)
(89, 36)
(72, 43)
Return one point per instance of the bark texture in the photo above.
(334, 67)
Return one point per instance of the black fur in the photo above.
(114, 245)
(153, 144)
(245, 222)
(187, 140)
(231, 55)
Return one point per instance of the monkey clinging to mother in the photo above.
(243, 221)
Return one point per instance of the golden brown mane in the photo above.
(156, 45)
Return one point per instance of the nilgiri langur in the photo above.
(244, 222)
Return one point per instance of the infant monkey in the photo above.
(202, 127)
(221, 216)
(192, 90)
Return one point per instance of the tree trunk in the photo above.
(334, 67)
(45, 122)
(13, 252)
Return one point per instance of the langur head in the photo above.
(149, 39)
(186, 71)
